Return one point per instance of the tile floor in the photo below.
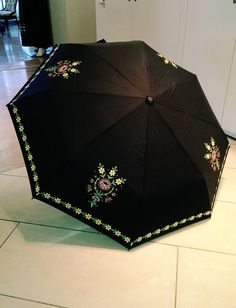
(48, 259)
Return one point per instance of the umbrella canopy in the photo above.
(121, 138)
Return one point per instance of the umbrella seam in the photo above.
(103, 59)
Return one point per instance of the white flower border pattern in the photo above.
(76, 210)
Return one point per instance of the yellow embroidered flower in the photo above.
(15, 110)
(148, 235)
(167, 61)
(33, 167)
(47, 196)
(117, 233)
(112, 172)
(37, 189)
(119, 181)
(78, 211)
(57, 200)
(108, 227)
(127, 239)
(98, 222)
(68, 205)
(88, 216)
(101, 170)
(36, 178)
(65, 75)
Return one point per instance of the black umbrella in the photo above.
(121, 138)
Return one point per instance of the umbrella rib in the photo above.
(182, 147)
(107, 62)
(146, 149)
(181, 111)
(93, 93)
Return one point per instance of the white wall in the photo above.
(73, 21)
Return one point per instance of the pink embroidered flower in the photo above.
(104, 184)
(63, 68)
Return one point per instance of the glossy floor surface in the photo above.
(48, 259)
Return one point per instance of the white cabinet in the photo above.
(208, 47)
(161, 25)
(229, 113)
(157, 22)
(113, 20)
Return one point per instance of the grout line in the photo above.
(18, 176)
(49, 226)
(228, 81)
(32, 301)
(9, 235)
(177, 276)
(199, 249)
(231, 202)
(185, 33)
(20, 68)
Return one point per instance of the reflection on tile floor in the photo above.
(49, 258)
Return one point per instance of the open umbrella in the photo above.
(121, 138)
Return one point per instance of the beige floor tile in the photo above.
(231, 158)
(227, 187)
(16, 204)
(79, 269)
(232, 141)
(17, 172)
(11, 302)
(6, 227)
(206, 280)
(216, 234)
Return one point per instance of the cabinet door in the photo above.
(229, 114)
(209, 42)
(113, 20)
(161, 25)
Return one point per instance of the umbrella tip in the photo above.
(150, 100)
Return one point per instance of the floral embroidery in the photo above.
(29, 155)
(213, 154)
(63, 68)
(167, 61)
(104, 185)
